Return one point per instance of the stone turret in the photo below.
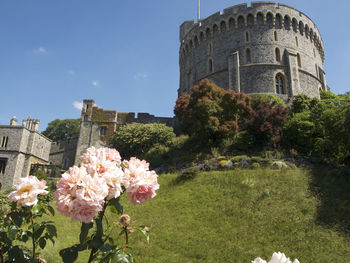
(261, 48)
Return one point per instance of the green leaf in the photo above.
(17, 218)
(16, 254)
(117, 205)
(36, 209)
(51, 229)
(69, 255)
(122, 257)
(24, 236)
(84, 231)
(51, 210)
(144, 231)
(38, 232)
(12, 232)
(42, 242)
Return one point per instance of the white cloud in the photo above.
(140, 76)
(78, 105)
(95, 83)
(40, 50)
(71, 72)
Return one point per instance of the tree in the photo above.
(266, 122)
(66, 129)
(302, 103)
(137, 139)
(211, 113)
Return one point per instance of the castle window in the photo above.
(301, 28)
(260, 19)
(4, 141)
(280, 85)
(248, 56)
(269, 20)
(278, 23)
(278, 55)
(231, 23)
(286, 22)
(3, 162)
(247, 36)
(250, 20)
(103, 131)
(210, 48)
(207, 32)
(223, 27)
(314, 53)
(295, 25)
(296, 41)
(86, 118)
(299, 60)
(210, 66)
(316, 70)
(275, 35)
(215, 29)
(240, 21)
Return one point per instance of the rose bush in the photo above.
(276, 258)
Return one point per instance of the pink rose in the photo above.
(27, 190)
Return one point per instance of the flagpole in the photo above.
(199, 10)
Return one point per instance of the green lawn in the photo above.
(236, 216)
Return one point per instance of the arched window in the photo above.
(223, 27)
(241, 22)
(296, 41)
(250, 20)
(215, 29)
(275, 35)
(269, 20)
(278, 54)
(231, 23)
(301, 28)
(248, 56)
(207, 33)
(278, 22)
(280, 84)
(260, 19)
(210, 66)
(286, 22)
(299, 60)
(295, 25)
(196, 42)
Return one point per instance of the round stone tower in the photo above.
(262, 48)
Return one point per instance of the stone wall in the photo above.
(63, 153)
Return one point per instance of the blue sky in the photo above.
(122, 54)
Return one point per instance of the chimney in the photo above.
(13, 121)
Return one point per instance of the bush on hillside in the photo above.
(137, 139)
(262, 98)
(211, 114)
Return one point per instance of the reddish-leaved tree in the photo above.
(211, 113)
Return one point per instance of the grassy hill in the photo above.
(238, 215)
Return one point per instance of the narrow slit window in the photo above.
(275, 35)
(278, 55)
(3, 162)
(299, 60)
(103, 131)
(248, 56)
(296, 41)
(247, 36)
(210, 66)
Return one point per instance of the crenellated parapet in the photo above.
(241, 17)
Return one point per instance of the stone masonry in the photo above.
(261, 48)
(21, 146)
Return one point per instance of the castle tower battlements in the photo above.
(264, 47)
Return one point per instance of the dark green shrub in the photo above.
(188, 174)
(157, 155)
(137, 139)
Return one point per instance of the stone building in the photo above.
(98, 125)
(21, 146)
(261, 48)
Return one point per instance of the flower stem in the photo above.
(100, 216)
(126, 237)
(33, 238)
